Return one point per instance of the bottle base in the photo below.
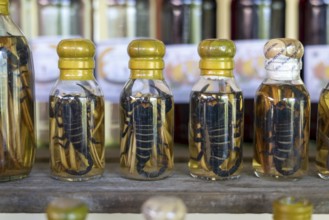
(76, 179)
(322, 176)
(276, 177)
(214, 178)
(13, 178)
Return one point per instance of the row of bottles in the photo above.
(174, 208)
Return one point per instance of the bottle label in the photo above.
(181, 68)
(316, 69)
(249, 68)
(45, 61)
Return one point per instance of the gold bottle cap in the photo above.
(217, 54)
(4, 7)
(287, 47)
(65, 208)
(292, 209)
(146, 54)
(76, 54)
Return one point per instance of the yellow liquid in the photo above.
(76, 138)
(282, 123)
(216, 135)
(16, 110)
(147, 138)
(322, 139)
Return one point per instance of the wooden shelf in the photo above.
(114, 194)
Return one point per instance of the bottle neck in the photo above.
(76, 74)
(146, 74)
(283, 68)
(224, 73)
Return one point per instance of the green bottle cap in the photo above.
(217, 54)
(76, 54)
(66, 209)
(146, 54)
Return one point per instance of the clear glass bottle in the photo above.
(216, 115)
(282, 114)
(66, 208)
(322, 135)
(290, 208)
(16, 100)
(76, 115)
(147, 115)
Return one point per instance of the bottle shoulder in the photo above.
(135, 87)
(216, 85)
(74, 87)
(8, 27)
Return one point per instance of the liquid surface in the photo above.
(16, 109)
(76, 137)
(215, 135)
(146, 136)
(282, 123)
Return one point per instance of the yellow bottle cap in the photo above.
(217, 54)
(4, 7)
(76, 54)
(146, 54)
(287, 47)
(292, 209)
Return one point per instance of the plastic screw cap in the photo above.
(76, 54)
(164, 208)
(216, 54)
(4, 7)
(292, 208)
(287, 47)
(66, 208)
(146, 54)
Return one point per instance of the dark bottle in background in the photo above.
(314, 34)
(183, 24)
(252, 23)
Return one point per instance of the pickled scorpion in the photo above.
(285, 126)
(140, 130)
(69, 110)
(214, 122)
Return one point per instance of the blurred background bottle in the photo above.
(56, 19)
(252, 23)
(181, 25)
(314, 34)
(116, 23)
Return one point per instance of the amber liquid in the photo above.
(146, 137)
(216, 135)
(16, 109)
(76, 127)
(322, 139)
(282, 125)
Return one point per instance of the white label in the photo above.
(316, 69)
(249, 68)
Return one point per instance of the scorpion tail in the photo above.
(225, 173)
(83, 172)
(153, 174)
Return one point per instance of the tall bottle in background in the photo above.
(17, 149)
(314, 34)
(181, 25)
(56, 20)
(252, 23)
(116, 23)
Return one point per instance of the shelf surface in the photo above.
(114, 194)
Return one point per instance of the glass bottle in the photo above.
(76, 115)
(290, 208)
(322, 135)
(66, 208)
(16, 100)
(146, 113)
(314, 34)
(253, 22)
(216, 115)
(282, 114)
